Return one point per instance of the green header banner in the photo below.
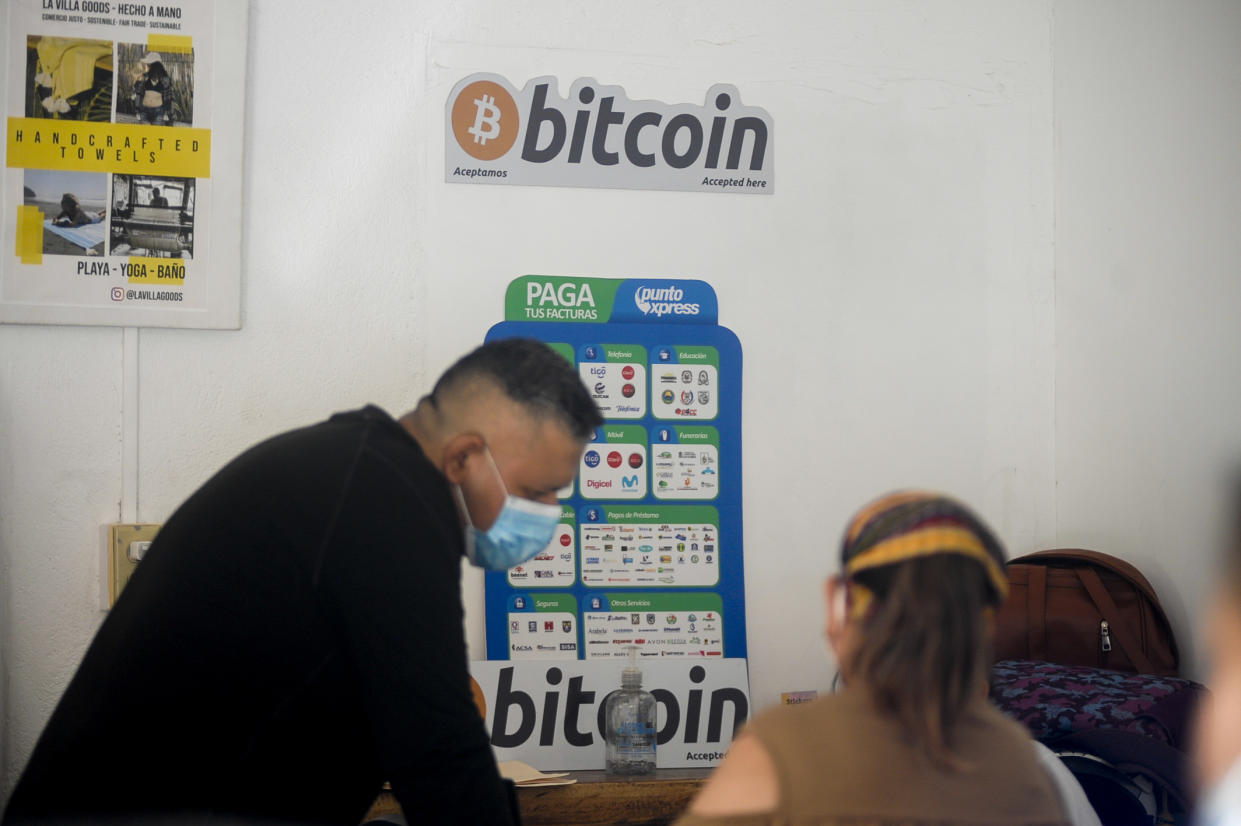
(553, 603)
(618, 515)
(691, 601)
(610, 300)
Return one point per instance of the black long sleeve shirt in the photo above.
(292, 639)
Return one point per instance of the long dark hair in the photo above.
(923, 648)
(932, 571)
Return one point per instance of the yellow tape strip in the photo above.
(879, 505)
(860, 598)
(30, 234)
(175, 43)
(927, 542)
(128, 148)
(169, 272)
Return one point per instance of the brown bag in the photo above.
(1077, 607)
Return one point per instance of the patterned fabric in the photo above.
(911, 524)
(1053, 700)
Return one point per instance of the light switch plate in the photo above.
(120, 566)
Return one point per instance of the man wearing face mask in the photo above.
(293, 637)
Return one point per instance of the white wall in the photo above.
(1148, 190)
(893, 299)
(59, 481)
(896, 299)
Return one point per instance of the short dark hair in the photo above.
(533, 375)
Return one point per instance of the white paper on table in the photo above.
(525, 775)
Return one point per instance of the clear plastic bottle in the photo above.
(629, 719)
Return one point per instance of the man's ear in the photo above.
(457, 451)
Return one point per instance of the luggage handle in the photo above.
(1121, 567)
(1103, 601)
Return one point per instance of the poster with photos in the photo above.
(121, 195)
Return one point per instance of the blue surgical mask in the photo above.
(522, 529)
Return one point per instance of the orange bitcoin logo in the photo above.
(485, 120)
(480, 701)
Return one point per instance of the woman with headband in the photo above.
(911, 739)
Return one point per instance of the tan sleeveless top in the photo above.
(840, 762)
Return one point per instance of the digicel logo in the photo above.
(603, 127)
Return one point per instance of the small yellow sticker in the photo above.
(174, 43)
(796, 698)
(167, 271)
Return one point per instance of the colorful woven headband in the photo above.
(914, 524)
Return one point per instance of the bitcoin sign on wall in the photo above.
(598, 137)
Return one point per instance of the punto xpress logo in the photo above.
(598, 137)
(661, 301)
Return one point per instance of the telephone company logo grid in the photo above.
(648, 547)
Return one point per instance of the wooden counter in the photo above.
(600, 799)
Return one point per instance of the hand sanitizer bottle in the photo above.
(629, 719)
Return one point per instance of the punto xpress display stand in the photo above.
(649, 549)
